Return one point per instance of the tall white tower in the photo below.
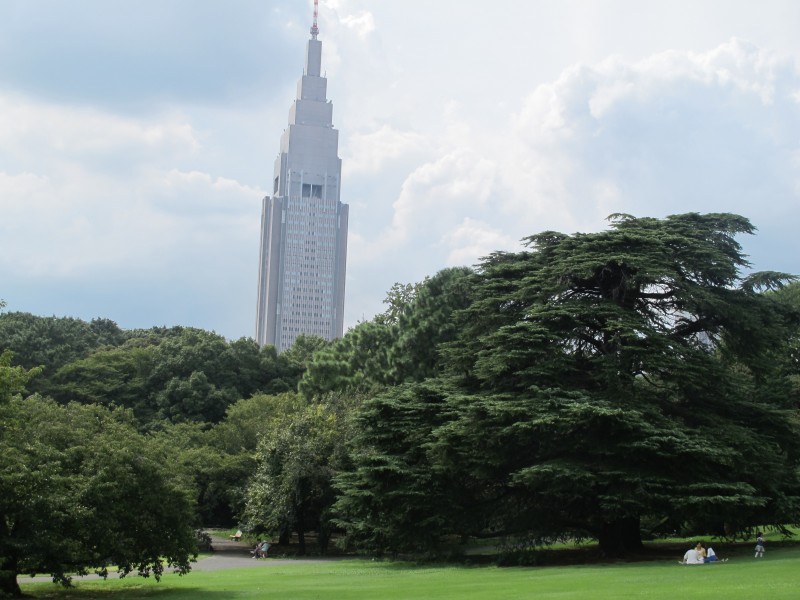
(304, 224)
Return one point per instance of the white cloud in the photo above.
(370, 152)
(436, 193)
(195, 194)
(38, 135)
(472, 240)
(674, 132)
(362, 23)
(85, 192)
(151, 224)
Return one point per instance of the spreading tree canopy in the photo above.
(291, 489)
(80, 489)
(600, 383)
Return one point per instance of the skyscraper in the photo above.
(304, 224)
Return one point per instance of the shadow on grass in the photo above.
(585, 555)
(129, 593)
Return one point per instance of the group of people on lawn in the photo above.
(699, 555)
(261, 549)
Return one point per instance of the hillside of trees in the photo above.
(616, 386)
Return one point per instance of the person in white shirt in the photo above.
(692, 557)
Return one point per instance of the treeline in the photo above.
(175, 375)
(613, 385)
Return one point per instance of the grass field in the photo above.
(775, 577)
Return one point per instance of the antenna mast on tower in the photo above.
(314, 28)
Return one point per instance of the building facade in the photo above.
(303, 253)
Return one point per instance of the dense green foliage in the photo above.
(163, 374)
(13, 379)
(612, 385)
(52, 342)
(291, 489)
(785, 356)
(599, 383)
(81, 489)
(397, 346)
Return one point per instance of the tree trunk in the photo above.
(8, 581)
(285, 537)
(323, 537)
(9, 565)
(300, 524)
(620, 538)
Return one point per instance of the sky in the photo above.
(137, 138)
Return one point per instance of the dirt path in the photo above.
(227, 555)
(233, 555)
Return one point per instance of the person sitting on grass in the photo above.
(701, 552)
(256, 552)
(692, 557)
(712, 557)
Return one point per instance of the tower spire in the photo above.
(314, 28)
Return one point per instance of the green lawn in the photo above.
(775, 577)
